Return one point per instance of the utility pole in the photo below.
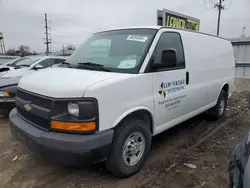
(50, 39)
(63, 50)
(47, 42)
(243, 32)
(2, 44)
(220, 7)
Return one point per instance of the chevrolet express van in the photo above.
(117, 90)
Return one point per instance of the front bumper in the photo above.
(7, 103)
(70, 149)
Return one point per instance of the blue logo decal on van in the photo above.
(162, 91)
(171, 87)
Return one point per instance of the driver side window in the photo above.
(170, 40)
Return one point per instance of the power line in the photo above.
(209, 4)
(228, 4)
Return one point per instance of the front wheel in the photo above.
(131, 144)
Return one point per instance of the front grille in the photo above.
(36, 100)
(37, 121)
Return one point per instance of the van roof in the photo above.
(45, 56)
(161, 27)
(135, 27)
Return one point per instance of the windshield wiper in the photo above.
(94, 66)
(24, 65)
(19, 66)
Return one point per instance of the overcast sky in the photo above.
(22, 21)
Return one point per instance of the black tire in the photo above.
(115, 162)
(215, 113)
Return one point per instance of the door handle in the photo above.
(187, 78)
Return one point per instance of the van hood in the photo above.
(62, 82)
(12, 73)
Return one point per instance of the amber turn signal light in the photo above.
(6, 94)
(73, 126)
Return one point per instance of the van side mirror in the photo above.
(168, 59)
(37, 67)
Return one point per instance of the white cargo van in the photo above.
(120, 88)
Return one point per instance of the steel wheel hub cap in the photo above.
(133, 149)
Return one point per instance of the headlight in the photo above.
(82, 116)
(73, 109)
(8, 91)
(4, 94)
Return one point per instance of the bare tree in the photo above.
(24, 50)
(34, 53)
(70, 47)
(11, 52)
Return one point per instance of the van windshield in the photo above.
(116, 51)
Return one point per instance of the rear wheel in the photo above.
(131, 144)
(219, 110)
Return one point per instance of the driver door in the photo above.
(171, 81)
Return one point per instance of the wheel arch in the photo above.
(140, 112)
(224, 87)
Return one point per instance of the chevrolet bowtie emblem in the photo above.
(27, 107)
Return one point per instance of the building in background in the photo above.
(242, 54)
(173, 19)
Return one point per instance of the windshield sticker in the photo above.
(137, 38)
(127, 64)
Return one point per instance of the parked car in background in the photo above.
(8, 89)
(30, 64)
(10, 66)
(10, 62)
(27, 65)
(239, 165)
(7, 66)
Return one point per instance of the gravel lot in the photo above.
(205, 144)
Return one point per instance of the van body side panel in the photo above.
(210, 61)
(118, 96)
